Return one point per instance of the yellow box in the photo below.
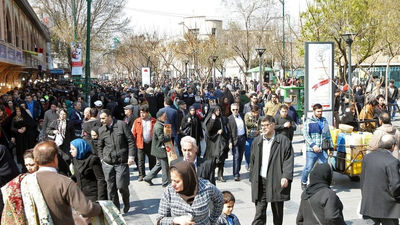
(356, 167)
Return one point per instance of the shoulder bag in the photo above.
(312, 210)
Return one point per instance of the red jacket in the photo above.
(137, 131)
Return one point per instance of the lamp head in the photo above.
(260, 51)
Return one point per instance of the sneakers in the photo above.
(140, 178)
(303, 186)
(237, 179)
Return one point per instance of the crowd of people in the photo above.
(86, 149)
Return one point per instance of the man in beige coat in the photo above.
(385, 128)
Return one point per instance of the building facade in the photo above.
(23, 43)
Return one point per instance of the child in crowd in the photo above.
(227, 218)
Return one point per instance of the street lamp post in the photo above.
(347, 37)
(214, 59)
(87, 64)
(260, 52)
(283, 37)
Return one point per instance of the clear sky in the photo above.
(164, 15)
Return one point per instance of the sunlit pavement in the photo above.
(145, 199)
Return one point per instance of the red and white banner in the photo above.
(76, 58)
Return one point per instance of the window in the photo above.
(213, 31)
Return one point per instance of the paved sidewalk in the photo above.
(145, 199)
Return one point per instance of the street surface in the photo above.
(145, 199)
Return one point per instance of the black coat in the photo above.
(281, 163)
(232, 126)
(90, 178)
(116, 143)
(192, 124)
(380, 185)
(217, 144)
(287, 131)
(205, 169)
(326, 205)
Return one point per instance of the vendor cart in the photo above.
(348, 153)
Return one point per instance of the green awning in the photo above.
(257, 70)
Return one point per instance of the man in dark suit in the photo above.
(238, 139)
(271, 172)
(204, 168)
(380, 184)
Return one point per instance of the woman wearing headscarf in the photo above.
(187, 199)
(23, 128)
(217, 137)
(319, 204)
(87, 171)
(191, 125)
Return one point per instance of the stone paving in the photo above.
(145, 199)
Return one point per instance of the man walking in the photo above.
(315, 132)
(237, 142)
(158, 150)
(49, 116)
(271, 172)
(143, 133)
(116, 148)
(272, 106)
(284, 123)
(380, 184)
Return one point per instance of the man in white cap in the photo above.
(291, 110)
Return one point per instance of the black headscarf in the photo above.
(190, 180)
(211, 111)
(8, 167)
(320, 177)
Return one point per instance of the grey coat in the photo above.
(281, 163)
(380, 185)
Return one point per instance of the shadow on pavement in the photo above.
(148, 206)
(342, 183)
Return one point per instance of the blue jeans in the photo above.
(247, 150)
(311, 158)
(237, 152)
(393, 107)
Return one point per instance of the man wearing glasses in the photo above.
(271, 171)
(238, 139)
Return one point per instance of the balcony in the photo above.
(15, 56)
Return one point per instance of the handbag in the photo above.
(326, 144)
(312, 210)
(59, 139)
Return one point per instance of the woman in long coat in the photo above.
(191, 126)
(217, 136)
(87, 171)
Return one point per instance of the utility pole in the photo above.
(283, 37)
(87, 65)
(74, 15)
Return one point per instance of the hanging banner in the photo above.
(146, 76)
(76, 55)
(318, 77)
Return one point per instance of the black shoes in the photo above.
(149, 182)
(126, 208)
(303, 186)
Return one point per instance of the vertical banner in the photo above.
(318, 78)
(76, 56)
(146, 76)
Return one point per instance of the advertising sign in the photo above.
(146, 76)
(76, 55)
(318, 77)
